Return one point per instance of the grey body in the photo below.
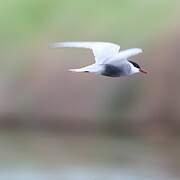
(116, 71)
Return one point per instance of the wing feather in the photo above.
(101, 50)
(129, 53)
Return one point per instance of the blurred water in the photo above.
(38, 155)
(81, 173)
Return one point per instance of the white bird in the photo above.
(109, 61)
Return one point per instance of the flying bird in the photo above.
(109, 60)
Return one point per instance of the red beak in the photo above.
(143, 71)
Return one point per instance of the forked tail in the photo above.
(78, 70)
(91, 68)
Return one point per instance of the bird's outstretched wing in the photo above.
(124, 55)
(129, 53)
(101, 50)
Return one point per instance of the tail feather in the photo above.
(83, 69)
(91, 68)
(76, 70)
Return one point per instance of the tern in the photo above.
(109, 60)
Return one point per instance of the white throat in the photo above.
(133, 70)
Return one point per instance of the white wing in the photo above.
(124, 55)
(101, 50)
(129, 53)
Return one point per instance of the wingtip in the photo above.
(139, 50)
(56, 45)
(51, 46)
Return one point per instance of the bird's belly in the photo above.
(113, 71)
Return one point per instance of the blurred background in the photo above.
(59, 125)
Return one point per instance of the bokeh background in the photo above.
(59, 125)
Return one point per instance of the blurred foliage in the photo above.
(25, 23)
(27, 26)
(122, 100)
(81, 19)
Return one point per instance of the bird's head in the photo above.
(135, 68)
